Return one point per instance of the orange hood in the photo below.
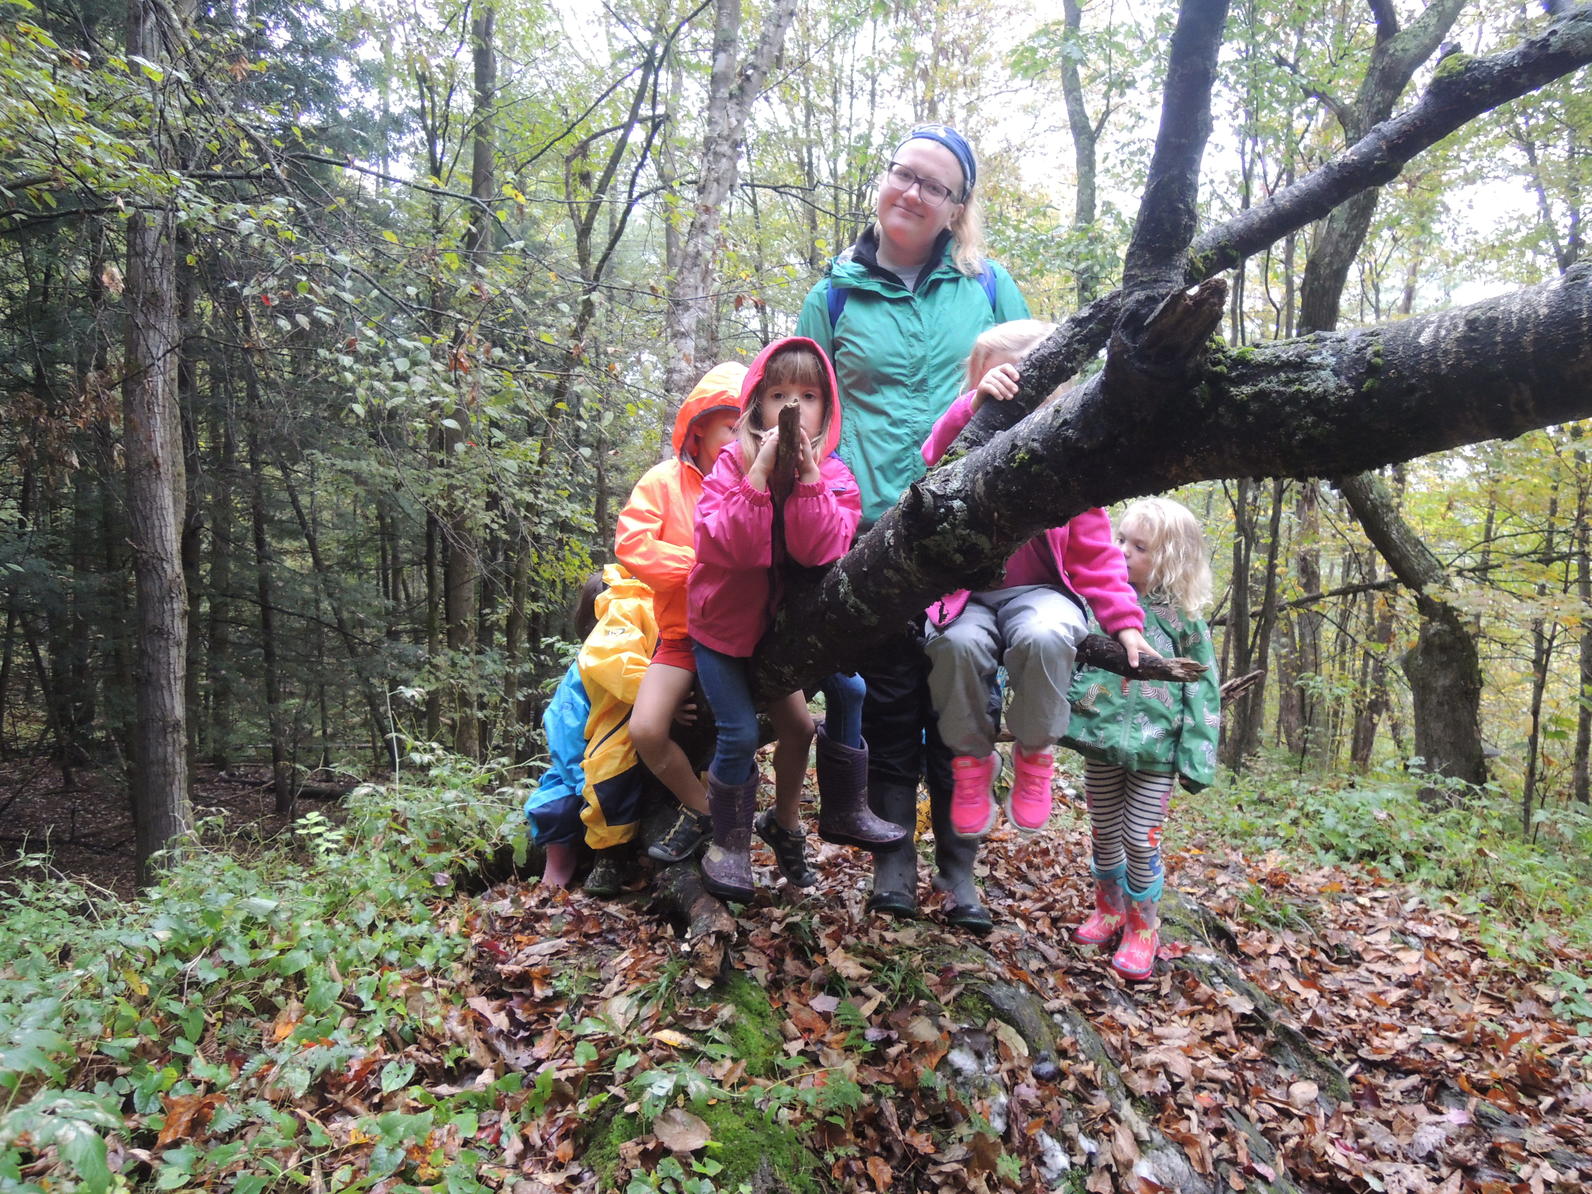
(719, 388)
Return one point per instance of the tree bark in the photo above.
(1327, 404)
(1443, 668)
(153, 449)
(1456, 96)
(732, 88)
(1085, 136)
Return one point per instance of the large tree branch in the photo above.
(1460, 93)
(1457, 95)
(1170, 208)
(1329, 404)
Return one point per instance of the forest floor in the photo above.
(87, 830)
(1388, 1039)
(1449, 1070)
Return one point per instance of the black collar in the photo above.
(866, 251)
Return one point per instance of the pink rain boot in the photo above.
(1028, 803)
(1135, 957)
(972, 806)
(1110, 910)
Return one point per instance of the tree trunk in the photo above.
(152, 446)
(1331, 403)
(218, 660)
(732, 88)
(461, 560)
(1583, 587)
(1085, 136)
(1443, 667)
(1544, 638)
(265, 587)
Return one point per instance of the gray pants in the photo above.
(1034, 630)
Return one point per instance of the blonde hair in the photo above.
(967, 231)
(792, 365)
(1180, 566)
(1010, 339)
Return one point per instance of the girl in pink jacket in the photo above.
(744, 538)
(1032, 624)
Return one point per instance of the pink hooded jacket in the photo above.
(1081, 556)
(735, 586)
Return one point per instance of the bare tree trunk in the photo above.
(1583, 585)
(1371, 700)
(732, 88)
(218, 659)
(1544, 638)
(1085, 136)
(1443, 668)
(152, 446)
(265, 586)
(462, 558)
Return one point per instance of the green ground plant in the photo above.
(247, 977)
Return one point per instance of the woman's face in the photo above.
(907, 225)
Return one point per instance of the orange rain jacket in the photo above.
(653, 539)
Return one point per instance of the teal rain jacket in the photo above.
(900, 357)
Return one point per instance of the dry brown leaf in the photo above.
(679, 1131)
(880, 1172)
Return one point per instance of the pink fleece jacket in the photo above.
(735, 586)
(1081, 555)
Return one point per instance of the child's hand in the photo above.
(806, 462)
(999, 383)
(763, 465)
(1136, 646)
(685, 713)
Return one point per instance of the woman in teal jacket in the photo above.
(898, 314)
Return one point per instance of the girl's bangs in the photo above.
(796, 366)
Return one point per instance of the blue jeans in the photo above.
(726, 682)
(843, 697)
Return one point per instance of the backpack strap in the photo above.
(835, 297)
(836, 300)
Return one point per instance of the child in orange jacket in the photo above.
(654, 542)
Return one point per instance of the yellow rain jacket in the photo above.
(612, 661)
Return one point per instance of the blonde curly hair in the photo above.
(1180, 568)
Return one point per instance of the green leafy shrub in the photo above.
(243, 981)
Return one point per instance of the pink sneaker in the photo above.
(972, 806)
(1028, 804)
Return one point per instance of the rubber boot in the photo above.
(895, 867)
(1110, 910)
(608, 873)
(954, 856)
(1135, 957)
(727, 865)
(843, 813)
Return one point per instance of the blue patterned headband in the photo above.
(945, 135)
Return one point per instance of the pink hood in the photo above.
(740, 552)
(754, 374)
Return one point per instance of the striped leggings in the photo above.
(1126, 812)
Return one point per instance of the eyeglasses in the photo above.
(932, 193)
